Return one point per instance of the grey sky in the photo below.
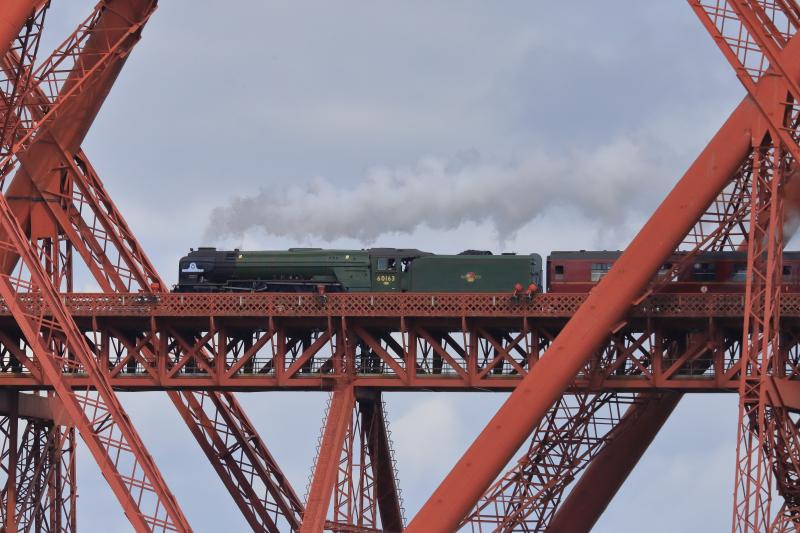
(225, 100)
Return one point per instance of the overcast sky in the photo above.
(523, 126)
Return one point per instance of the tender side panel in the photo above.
(472, 273)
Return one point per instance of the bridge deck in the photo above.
(393, 341)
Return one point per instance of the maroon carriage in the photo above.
(717, 272)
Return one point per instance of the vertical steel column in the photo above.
(367, 496)
(13, 455)
(387, 492)
(754, 470)
(340, 414)
(753, 35)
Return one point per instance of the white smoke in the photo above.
(602, 184)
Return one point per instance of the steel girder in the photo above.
(38, 468)
(376, 354)
(55, 344)
(355, 473)
(589, 429)
(527, 496)
(622, 287)
(83, 211)
(610, 467)
(243, 463)
(162, 352)
(754, 37)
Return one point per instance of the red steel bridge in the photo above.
(593, 377)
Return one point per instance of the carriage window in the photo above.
(599, 270)
(704, 271)
(787, 272)
(559, 271)
(739, 273)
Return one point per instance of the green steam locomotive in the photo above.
(370, 270)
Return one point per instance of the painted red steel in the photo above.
(76, 77)
(527, 496)
(609, 469)
(13, 17)
(235, 450)
(338, 419)
(385, 305)
(592, 323)
(99, 417)
(39, 469)
(148, 344)
(761, 337)
(106, 232)
(619, 339)
(91, 222)
(366, 496)
(752, 35)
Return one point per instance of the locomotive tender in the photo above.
(411, 270)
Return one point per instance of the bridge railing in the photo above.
(390, 305)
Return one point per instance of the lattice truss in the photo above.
(755, 38)
(355, 473)
(578, 427)
(527, 496)
(47, 107)
(747, 215)
(38, 475)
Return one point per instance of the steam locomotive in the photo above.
(373, 270)
(411, 270)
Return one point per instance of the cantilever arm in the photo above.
(596, 318)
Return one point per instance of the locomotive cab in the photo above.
(391, 268)
(386, 274)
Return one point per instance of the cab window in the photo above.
(787, 272)
(383, 263)
(559, 272)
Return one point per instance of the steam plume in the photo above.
(441, 194)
